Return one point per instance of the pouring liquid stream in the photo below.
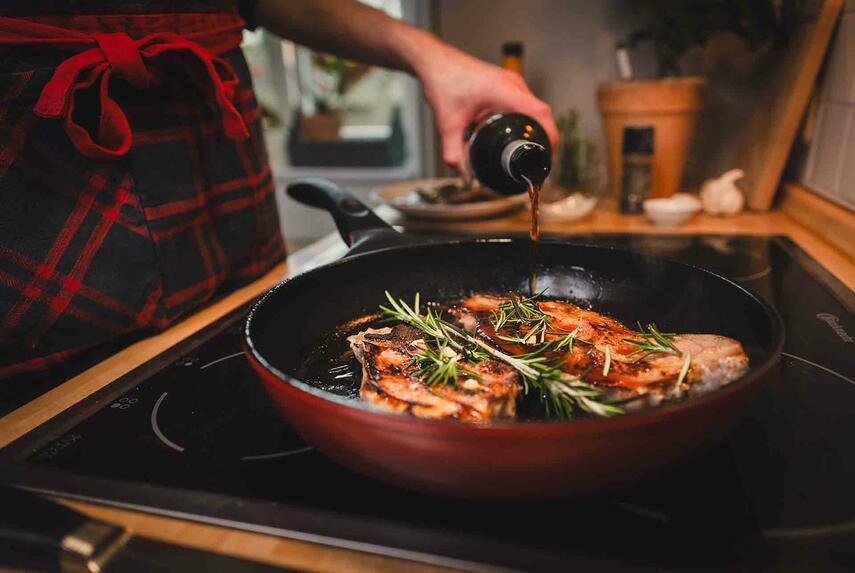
(533, 233)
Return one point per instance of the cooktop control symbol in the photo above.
(186, 361)
(216, 411)
(124, 403)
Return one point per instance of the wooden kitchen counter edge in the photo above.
(607, 220)
(311, 556)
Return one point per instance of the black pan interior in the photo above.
(291, 320)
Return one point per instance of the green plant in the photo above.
(677, 25)
(341, 75)
(576, 161)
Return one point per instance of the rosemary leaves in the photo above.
(440, 364)
(524, 313)
(562, 394)
(652, 340)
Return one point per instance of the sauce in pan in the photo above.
(504, 356)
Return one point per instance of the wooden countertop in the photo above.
(606, 219)
(309, 556)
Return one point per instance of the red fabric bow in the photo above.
(134, 61)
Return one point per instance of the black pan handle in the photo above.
(359, 226)
(352, 217)
(35, 532)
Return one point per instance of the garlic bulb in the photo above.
(721, 196)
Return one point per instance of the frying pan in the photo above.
(514, 459)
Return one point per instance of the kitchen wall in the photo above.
(569, 44)
(570, 48)
(830, 163)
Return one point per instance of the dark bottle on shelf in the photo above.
(506, 152)
(637, 168)
(512, 56)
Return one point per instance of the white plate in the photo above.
(401, 196)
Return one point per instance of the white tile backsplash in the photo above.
(840, 78)
(830, 168)
(828, 149)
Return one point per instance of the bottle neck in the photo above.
(525, 161)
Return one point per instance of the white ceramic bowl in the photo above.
(571, 208)
(672, 211)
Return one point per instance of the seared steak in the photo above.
(389, 356)
(712, 360)
(636, 368)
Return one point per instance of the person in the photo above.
(134, 183)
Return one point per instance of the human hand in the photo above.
(462, 89)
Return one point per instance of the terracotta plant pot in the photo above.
(670, 106)
(322, 126)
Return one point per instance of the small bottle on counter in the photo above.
(512, 56)
(637, 166)
(508, 153)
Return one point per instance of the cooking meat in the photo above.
(389, 357)
(712, 360)
(401, 372)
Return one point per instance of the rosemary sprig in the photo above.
(569, 339)
(429, 323)
(522, 312)
(608, 361)
(436, 365)
(439, 365)
(652, 340)
(677, 389)
(685, 369)
(561, 393)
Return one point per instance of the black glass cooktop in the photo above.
(193, 434)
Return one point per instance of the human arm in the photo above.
(459, 88)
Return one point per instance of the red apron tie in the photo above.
(124, 58)
(134, 61)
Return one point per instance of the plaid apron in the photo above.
(134, 182)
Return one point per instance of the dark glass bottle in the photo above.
(637, 168)
(506, 149)
(512, 56)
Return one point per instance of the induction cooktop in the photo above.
(192, 434)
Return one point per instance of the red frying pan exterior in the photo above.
(507, 460)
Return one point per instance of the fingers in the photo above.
(543, 115)
(520, 99)
(452, 145)
(467, 89)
